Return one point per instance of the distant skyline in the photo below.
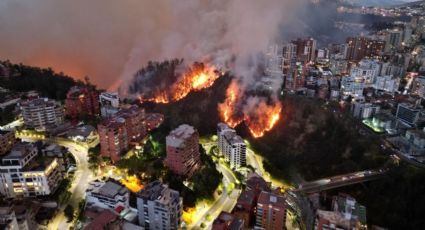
(381, 2)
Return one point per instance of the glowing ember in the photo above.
(199, 77)
(132, 183)
(188, 215)
(227, 109)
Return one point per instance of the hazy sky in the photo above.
(109, 40)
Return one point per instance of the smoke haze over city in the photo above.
(109, 41)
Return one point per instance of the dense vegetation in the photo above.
(155, 77)
(315, 140)
(319, 140)
(148, 165)
(45, 81)
(198, 109)
(396, 201)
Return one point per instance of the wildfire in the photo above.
(259, 115)
(227, 108)
(263, 118)
(199, 77)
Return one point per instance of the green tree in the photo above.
(69, 212)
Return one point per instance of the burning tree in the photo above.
(171, 81)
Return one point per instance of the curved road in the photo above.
(82, 177)
(225, 202)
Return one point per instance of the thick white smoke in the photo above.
(110, 40)
(220, 32)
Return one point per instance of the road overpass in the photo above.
(340, 181)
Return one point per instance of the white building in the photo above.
(58, 152)
(231, 146)
(159, 207)
(408, 114)
(107, 195)
(274, 61)
(109, 103)
(363, 110)
(419, 86)
(42, 113)
(393, 40)
(417, 138)
(352, 86)
(22, 175)
(387, 83)
(368, 70)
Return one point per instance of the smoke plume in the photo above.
(110, 40)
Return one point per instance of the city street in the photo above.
(82, 177)
(225, 202)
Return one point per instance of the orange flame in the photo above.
(263, 119)
(195, 79)
(227, 108)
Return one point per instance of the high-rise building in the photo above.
(113, 138)
(306, 49)
(352, 86)
(274, 61)
(119, 131)
(289, 53)
(393, 40)
(134, 122)
(361, 47)
(183, 150)
(271, 211)
(387, 83)
(363, 110)
(368, 70)
(408, 114)
(419, 86)
(80, 101)
(22, 174)
(7, 141)
(109, 103)
(42, 113)
(407, 34)
(159, 207)
(231, 146)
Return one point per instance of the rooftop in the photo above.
(19, 151)
(39, 102)
(177, 137)
(229, 220)
(84, 131)
(267, 198)
(113, 95)
(109, 188)
(246, 197)
(345, 203)
(256, 182)
(102, 220)
(159, 192)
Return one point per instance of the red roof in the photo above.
(119, 209)
(103, 219)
